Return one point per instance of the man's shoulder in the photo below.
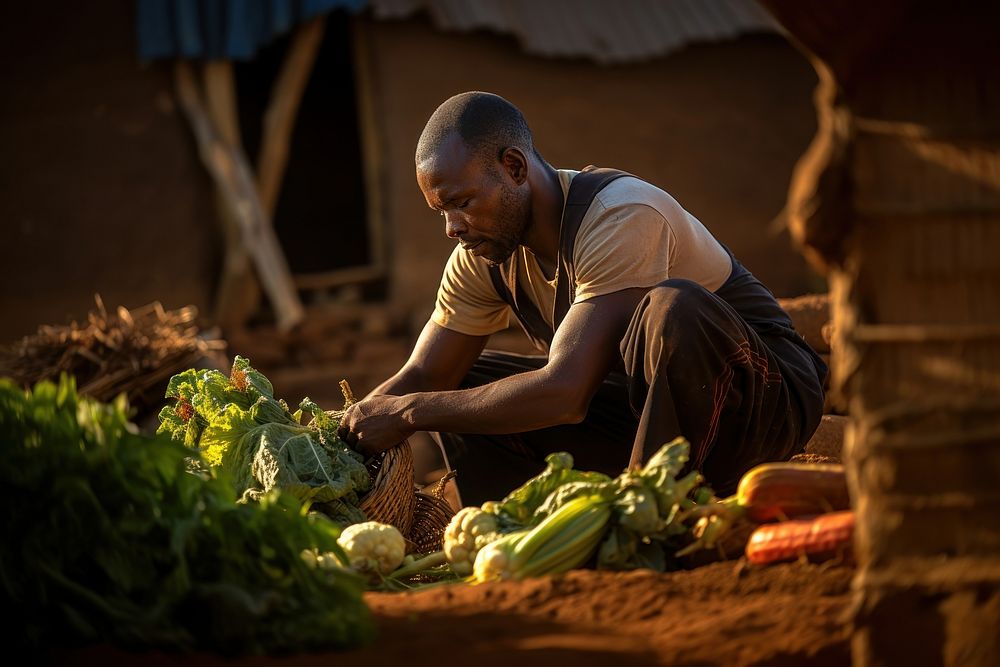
(631, 189)
(628, 197)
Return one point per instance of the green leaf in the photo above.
(300, 466)
(341, 512)
(592, 484)
(636, 508)
(117, 543)
(230, 429)
(669, 459)
(257, 384)
(520, 506)
(660, 472)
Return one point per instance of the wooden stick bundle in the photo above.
(124, 351)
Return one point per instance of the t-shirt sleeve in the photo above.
(466, 301)
(624, 246)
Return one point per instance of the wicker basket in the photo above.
(391, 499)
(432, 515)
(394, 500)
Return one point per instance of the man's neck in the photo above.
(547, 200)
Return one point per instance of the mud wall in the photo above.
(100, 186)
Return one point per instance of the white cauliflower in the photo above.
(373, 547)
(469, 531)
(493, 562)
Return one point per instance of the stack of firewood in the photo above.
(123, 351)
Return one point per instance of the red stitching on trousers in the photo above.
(719, 391)
(743, 355)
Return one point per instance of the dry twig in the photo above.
(133, 352)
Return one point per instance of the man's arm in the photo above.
(583, 351)
(439, 361)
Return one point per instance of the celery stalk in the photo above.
(565, 539)
(573, 547)
(550, 529)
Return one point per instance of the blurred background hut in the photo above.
(103, 190)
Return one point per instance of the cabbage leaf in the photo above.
(243, 432)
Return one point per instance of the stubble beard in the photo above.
(511, 227)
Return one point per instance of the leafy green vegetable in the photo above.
(649, 510)
(558, 519)
(108, 537)
(521, 505)
(643, 518)
(242, 431)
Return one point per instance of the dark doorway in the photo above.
(320, 218)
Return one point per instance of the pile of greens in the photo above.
(650, 506)
(243, 432)
(648, 517)
(108, 537)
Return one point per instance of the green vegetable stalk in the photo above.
(564, 540)
(108, 538)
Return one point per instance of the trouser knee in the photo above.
(676, 315)
(675, 305)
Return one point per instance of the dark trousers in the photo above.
(692, 366)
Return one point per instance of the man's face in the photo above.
(482, 205)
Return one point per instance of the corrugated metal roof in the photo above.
(609, 31)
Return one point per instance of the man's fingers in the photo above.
(344, 430)
(368, 451)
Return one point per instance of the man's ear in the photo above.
(515, 164)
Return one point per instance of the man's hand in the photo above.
(374, 424)
(584, 350)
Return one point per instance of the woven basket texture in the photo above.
(433, 513)
(391, 499)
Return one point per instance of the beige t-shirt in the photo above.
(633, 235)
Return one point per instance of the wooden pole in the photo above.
(371, 142)
(279, 119)
(238, 293)
(220, 100)
(239, 290)
(232, 174)
(899, 196)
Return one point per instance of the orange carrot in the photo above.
(819, 537)
(787, 490)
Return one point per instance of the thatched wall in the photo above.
(899, 196)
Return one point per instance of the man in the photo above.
(652, 329)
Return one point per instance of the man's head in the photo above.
(472, 162)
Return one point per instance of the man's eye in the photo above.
(464, 204)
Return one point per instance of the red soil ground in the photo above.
(720, 614)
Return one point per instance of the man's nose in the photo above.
(453, 227)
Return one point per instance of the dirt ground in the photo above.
(720, 614)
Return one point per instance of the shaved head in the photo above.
(487, 124)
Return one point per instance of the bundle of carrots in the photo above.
(803, 510)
